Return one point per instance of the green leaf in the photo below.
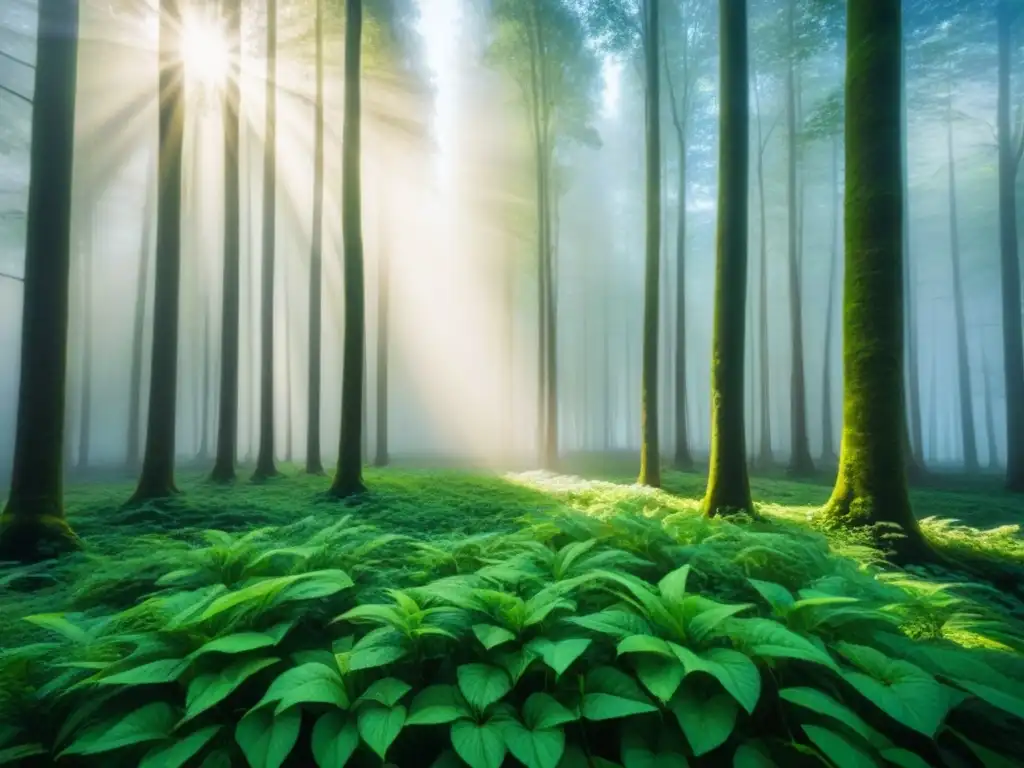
(610, 694)
(769, 639)
(480, 746)
(491, 636)
(823, 704)
(660, 676)
(437, 704)
(776, 595)
(737, 673)
(915, 700)
(752, 755)
(904, 758)
(540, 748)
(180, 751)
(707, 721)
(986, 756)
(388, 691)
(153, 673)
(266, 739)
(612, 622)
(673, 586)
(837, 749)
(1007, 702)
(703, 624)
(335, 738)
(542, 710)
(645, 644)
(151, 722)
(209, 689)
(315, 584)
(516, 662)
(637, 752)
(58, 623)
(483, 684)
(219, 758)
(380, 726)
(13, 755)
(559, 655)
(309, 683)
(243, 642)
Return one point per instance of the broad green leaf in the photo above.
(542, 748)
(380, 726)
(769, 639)
(987, 756)
(706, 721)
(904, 758)
(179, 751)
(310, 683)
(316, 586)
(242, 642)
(491, 636)
(612, 622)
(542, 710)
(447, 759)
(516, 662)
(645, 644)
(14, 755)
(388, 691)
(823, 704)
(637, 751)
(267, 739)
(915, 700)
(839, 750)
(610, 694)
(737, 673)
(704, 623)
(151, 722)
(374, 656)
(673, 586)
(751, 755)
(1007, 702)
(219, 758)
(335, 738)
(59, 623)
(660, 676)
(209, 689)
(437, 704)
(153, 673)
(483, 684)
(776, 595)
(374, 613)
(560, 654)
(480, 746)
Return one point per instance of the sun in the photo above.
(204, 51)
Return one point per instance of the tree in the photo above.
(1011, 149)
(871, 487)
(650, 455)
(728, 484)
(157, 478)
(33, 525)
(348, 479)
(139, 327)
(382, 458)
(227, 421)
(314, 463)
(265, 467)
(86, 255)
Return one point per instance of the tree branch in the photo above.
(15, 94)
(9, 276)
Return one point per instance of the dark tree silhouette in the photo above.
(314, 463)
(139, 328)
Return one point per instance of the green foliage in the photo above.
(629, 631)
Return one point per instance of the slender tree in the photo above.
(871, 486)
(157, 478)
(348, 479)
(33, 525)
(265, 467)
(86, 254)
(828, 433)
(139, 328)
(728, 484)
(764, 457)
(650, 456)
(990, 420)
(1011, 149)
(314, 463)
(382, 457)
(227, 421)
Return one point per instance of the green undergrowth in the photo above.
(541, 620)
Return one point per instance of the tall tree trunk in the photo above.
(265, 466)
(684, 458)
(650, 453)
(990, 421)
(33, 526)
(764, 452)
(227, 416)
(871, 486)
(157, 478)
(728, 485)
(139, 328)
(963, 364)
(537, 114)
(206, 350)
(827, 426)
(85, 409)
(314, 462)
(1013, 345)
(800, 462)
(286, 355)
(383, 344)
(348, 480)
(933, 411)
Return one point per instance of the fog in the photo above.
(449, 207)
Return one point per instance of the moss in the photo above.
(30, 538)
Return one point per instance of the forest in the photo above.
(492, 383)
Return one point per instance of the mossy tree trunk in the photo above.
(650, 455)
(227, 417)
(728, 485)
(265, 466)
(142, 284)
(871, 487)
(1011, 149)
(314, 462)
(33, 525)
(157, 478)
(348, 479)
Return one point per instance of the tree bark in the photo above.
(382, 457)
(990, 421)
(227, 417)
(764, 452)
(728, 484)
(33, 525)
(139, 329)
(314, 462)
(265, 466)
(85, 407)
(348, 479)
(157, 478)
(650, 454)
(1013, 344)
(871, 487)
(828, 454)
